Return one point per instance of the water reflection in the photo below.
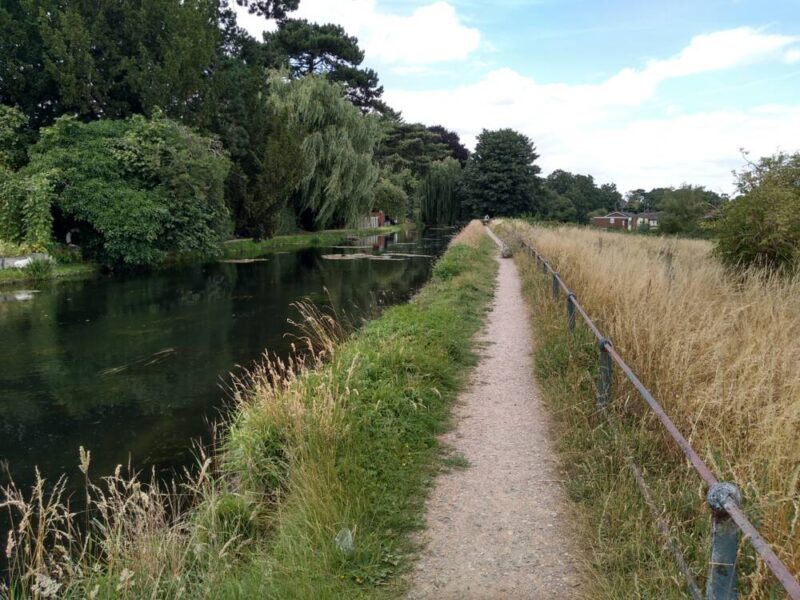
(134, 367)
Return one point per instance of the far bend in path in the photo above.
(499, 528)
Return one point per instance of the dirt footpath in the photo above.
(499, 528)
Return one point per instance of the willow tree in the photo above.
(440, 201)
(337, 146)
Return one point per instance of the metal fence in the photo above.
(723, 498)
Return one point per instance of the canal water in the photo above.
(135, 367)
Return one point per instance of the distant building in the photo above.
(627, 220)
(375, 220)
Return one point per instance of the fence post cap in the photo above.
(604, 342)
(571, 296)
(720, 493)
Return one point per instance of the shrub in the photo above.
(762, 226)
(136, 189)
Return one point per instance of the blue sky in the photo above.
(641, 93)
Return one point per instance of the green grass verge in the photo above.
(250, 248)
(15, 276)
(370, 467)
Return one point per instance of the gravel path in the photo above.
(500, 528)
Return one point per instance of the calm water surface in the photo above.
(134, 368)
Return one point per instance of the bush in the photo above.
(135, 189)
(762, 226)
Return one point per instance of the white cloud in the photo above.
(792, 56)
(432, 33)
(593, 128)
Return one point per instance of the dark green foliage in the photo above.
(269, 9)
(314, 49)
(655, 200)
(136, 188)
(440, 193)
(409, 146)
(573, 198)
(500, 176)
(14, 138)
(450, 138)
(108, 60)
(683, 209)
(762, 226)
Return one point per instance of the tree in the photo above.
(440, 193)
(450, 138)
(270, 9)
(337, 146)
(314, 49)
(682, 210)
(391, 198)
(761, 227)
(409, 146)
(574, 198)
(109, 60)
(501, 178)
(135, 189)
(13, 138)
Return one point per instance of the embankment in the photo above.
(320, 478)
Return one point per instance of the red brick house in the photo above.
(626, 220)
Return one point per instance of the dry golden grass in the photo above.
(471, 235)
(720, 351)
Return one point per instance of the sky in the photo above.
(639, 93)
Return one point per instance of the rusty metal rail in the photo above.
(724, 499)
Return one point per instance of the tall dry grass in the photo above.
(471, 235)
(719, 350)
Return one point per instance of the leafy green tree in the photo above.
(440, 193)
(450, 138)
(13, 138)
(575, 197)
(409, 146)
(761, 227)
(501, 178)
(314, 49)
(270, 9)
(136, 189)
(391, 198)
(106, 60)
(337, 146)
(682, 210)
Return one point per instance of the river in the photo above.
(135, 367)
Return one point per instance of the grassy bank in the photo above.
(58, 271)
(309, 239)
(319, 480)
(244, 248)
(720, 354)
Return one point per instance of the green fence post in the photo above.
(722, 580)
(604, 383)
(571, 312)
